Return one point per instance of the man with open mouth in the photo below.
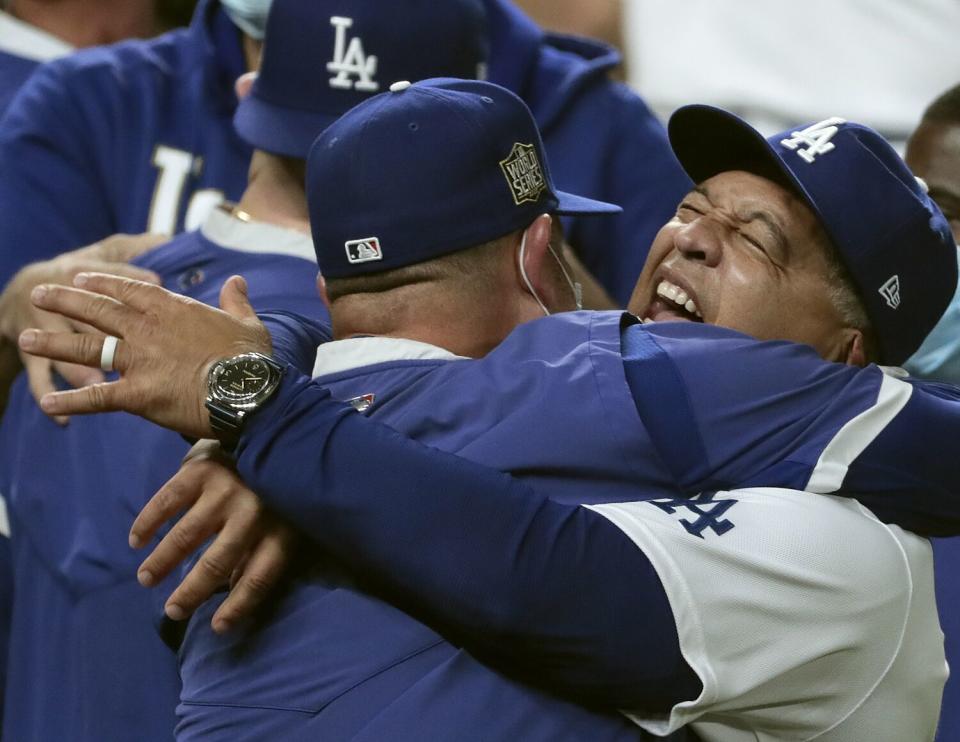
(799, 616)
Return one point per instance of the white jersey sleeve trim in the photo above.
(858, 433)
(4, 519)
(792, 613)
(23, 40)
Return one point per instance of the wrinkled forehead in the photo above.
(739, 190)
(748, 196)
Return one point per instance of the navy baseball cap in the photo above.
(323, 57)
(890, 235)
(428, 169)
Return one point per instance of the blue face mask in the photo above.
(250, 16)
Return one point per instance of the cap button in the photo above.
(400, 86)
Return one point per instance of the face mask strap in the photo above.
(523, 273)
(575, 286)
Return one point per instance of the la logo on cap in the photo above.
(350, 60)
(524, 174)
(364, 250)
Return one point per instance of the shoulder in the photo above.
(814, 592)
(163, 55)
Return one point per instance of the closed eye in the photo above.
(690, 207)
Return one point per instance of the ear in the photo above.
(534, 257)
(854, 353)
(244, 84)
(322, 290)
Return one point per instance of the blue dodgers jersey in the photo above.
(552, 405)
(946, 559)
(601, 139)
(14, 71)
(22, 48)
(336, 663)
(132, 137)
(83, 634)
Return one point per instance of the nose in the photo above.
(701, 241)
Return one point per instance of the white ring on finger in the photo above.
(108, 352)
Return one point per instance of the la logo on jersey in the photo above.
(815, 139)
(363, 251)
(349, 60)
(708, 510)
(890, 291)
(524, 174)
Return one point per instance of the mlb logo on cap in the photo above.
(363, 251)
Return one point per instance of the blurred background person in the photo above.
(596, 19)
(777, 63)
(933, 153)
(35, 31)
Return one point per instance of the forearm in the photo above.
(551, 593)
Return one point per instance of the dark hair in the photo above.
(946, 108)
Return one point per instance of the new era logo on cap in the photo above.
(890, 291)
(524, 174)
(364, 250)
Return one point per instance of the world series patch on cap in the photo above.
(323, 57)
(428, 169)
(893, 239)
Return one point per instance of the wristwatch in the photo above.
(236, 388)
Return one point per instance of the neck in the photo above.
(275, 195)
(418, 313)
(81, 23)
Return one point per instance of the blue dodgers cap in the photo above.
(323, 57)
(425, 170)
(890, 235)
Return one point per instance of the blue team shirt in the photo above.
(601, 139)
(939, 358)
(84, 641)
(132, 137)
(684, 409)
(22, 49)
(138, 137)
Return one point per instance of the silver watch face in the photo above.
(242, 381)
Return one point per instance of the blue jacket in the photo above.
(133, 137)
(602, 140)
(138, 136)
(83, 635)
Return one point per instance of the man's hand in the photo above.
(167, 345)
(251, 551)
(18, 313)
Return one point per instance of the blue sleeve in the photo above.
(553, 594)
(727, 411)
(295, 338)
(52, 197)
(6, 612)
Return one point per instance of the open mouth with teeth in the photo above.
(672, 304)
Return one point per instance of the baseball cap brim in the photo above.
(569, 204)
(278, 129)
(708, 141)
